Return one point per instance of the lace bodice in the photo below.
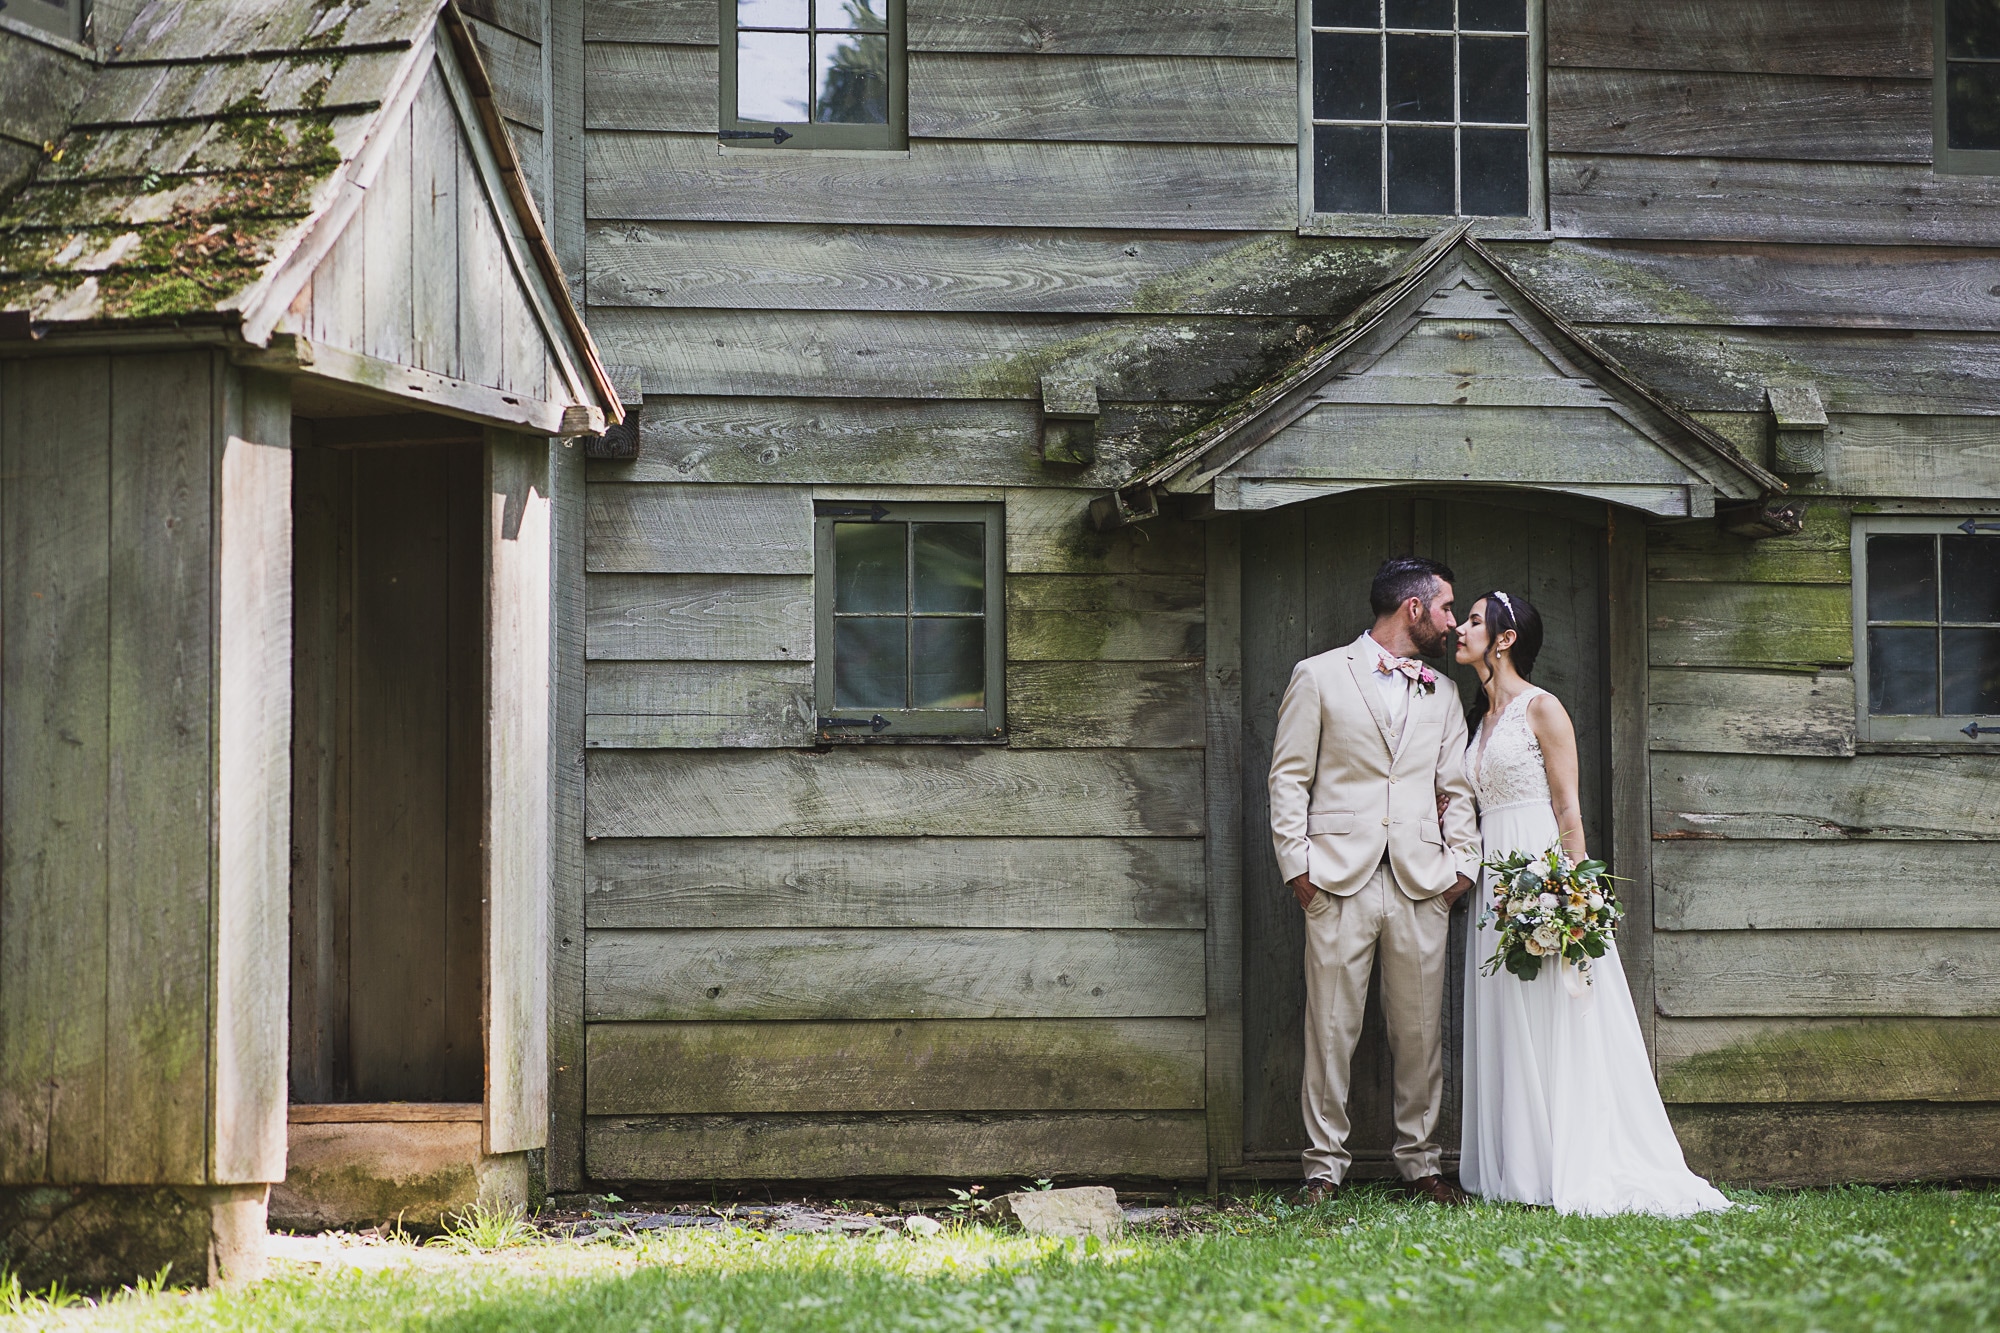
(1507, 759)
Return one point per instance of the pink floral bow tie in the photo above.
(1422, 675)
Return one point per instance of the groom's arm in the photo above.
(1294, 760)
(1454, 790)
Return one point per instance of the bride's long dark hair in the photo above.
(1515, 613)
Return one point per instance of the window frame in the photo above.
(1946, 160)
(736, 135)
(1534, 225)
(1945, 729)
(69, 24)
(985, 725)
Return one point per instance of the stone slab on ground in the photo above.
(1084, 1210)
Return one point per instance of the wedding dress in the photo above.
(1560, 1104)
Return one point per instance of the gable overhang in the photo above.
(1575, 421)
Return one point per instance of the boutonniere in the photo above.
(1427, 680)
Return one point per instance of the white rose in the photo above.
(1548, 937)
(1535, 948)
(1596, 900)
(1548, 902)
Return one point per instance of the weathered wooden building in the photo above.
(284, 353)
(1718, 353)
(1019, 389)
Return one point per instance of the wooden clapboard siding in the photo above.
(1789, 884)
(654, 529)
(1025, 27)
(1822, 553)
(1145, 99)
(889, 791)
(513, 60)
(1828, 973)
(1079, 1064)
(1725, 369)
(1749, 624)
(1763, 285)
(1160, 1144)
(1879, 796)
(1127, 705)
(669, 975)
(1679, 113)
(1829, 1060)
(523, 18)
(972, 183)
(1024, 270)
(1022, 883)
(758, 705)
(1120, 617)
(1876, 203)
(1048, 532)
(1751, 712)
(1864, 38)
(838, 354)
(1940, 456)
(1822, 1144)
(677, 617)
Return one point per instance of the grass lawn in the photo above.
(1842, 1259)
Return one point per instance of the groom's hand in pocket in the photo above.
(1456, 891)
(1302, 889)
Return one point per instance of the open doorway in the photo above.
(1306, 570)
(388, 765)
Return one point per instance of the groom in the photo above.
(1370, 743)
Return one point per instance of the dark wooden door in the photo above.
(1306, 570)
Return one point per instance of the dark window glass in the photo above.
(949, 660)
(1972, 106)
(1346, 13)
(1493, 15)
(1493, 79)
(950, 562)
(852, 74)
(870, 568)
(1972, 28)
(1420, 78)
(1902, 671)
(1902, 577)
(872, 662)
(1420, 170)
(1347, 76)
(1493, 166)
(1971, 579)
(1434, 14)
(1347, 169)
(1972, 671)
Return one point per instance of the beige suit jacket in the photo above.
(1344, 788)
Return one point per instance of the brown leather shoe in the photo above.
(1437, 1189)
(1316, 1192)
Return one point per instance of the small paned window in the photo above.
(1966, 102)
(804, 74)
(1927, 628)
(1421, 108)
(909, 620)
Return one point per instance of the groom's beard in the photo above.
(1430, 640)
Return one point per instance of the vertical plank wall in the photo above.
(1094, 190)
(119, 723)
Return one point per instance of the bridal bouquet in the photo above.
(1547, 906)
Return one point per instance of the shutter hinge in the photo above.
(1971, 529)
(876, 723)
(777, 135)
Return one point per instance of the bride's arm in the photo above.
(1558, 741)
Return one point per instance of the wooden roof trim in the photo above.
(539, 246)
(1193, 462)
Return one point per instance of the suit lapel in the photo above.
(1415, 696)
(1371, 695)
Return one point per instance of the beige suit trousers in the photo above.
(1343, 936)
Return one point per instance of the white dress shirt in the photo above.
(1395, 686)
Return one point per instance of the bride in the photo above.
(1560, 1104)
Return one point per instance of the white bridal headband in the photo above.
(1505, 601)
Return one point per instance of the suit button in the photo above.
(1392, 778)
(1385, 823)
